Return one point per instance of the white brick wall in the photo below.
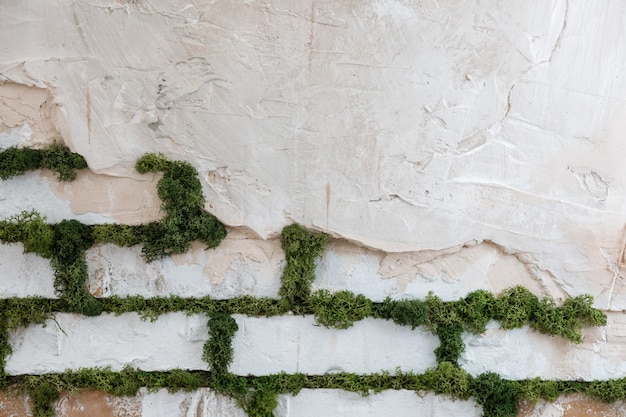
(338, 403)
(240, 265)
(73, 341)
(522, 353)
(296, 344)
(24, 274)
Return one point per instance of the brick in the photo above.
(295, 344)
(14, 405)
(573, 405)
(402, 403)
(450, 275)
(73, 341)
(24, 274)
(242, 265)
(200, 403)
(522, 353)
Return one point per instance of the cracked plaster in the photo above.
(400, 126)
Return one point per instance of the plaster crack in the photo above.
(559, 38)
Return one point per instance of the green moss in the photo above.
(535, 389)
(443, 314)
(117, 234)
(152, 162)
(72, 238)
(451, 344)
(495, 394)
(567, 320)
(180, 191)
(185, 221)
(31, 229)
(607, 391)
(476, 310)
(14, 161)
(341, 309)
(57, 158)
(515, 307)
(301, 247)
(448, 379)
(43, 397)
(60, 159)
(403, 312)
(218, 350)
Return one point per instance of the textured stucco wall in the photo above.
(448, 146)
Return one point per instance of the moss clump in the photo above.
(43, 396)
(341, 309)
(301, 247)
(495, 394)
(181, 194)
(476, 310)
(443, 314)
(152, 162)
(218, 350)
(451, 344)
(31, 229)
(607, 391)
(60, 159)
(567, 320)
(57, 158)
(515, 307)
(448, 379)
(14, 161)
(72, 239)
(117, 234)
(403, 312)
(534, 389)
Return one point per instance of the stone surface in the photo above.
(24, 274)
(450, 275)
(97, 404)
(453, 146)
(573, 405)
(14, 405)
(295, 344)
(330, 402)
(241, 265)
(522, 353)
(71, 342)
(403, 126)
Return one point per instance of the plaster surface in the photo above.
(398, 125)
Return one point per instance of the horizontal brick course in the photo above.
(73, 341)
(402, 403)
(296, 344)
(522, 353)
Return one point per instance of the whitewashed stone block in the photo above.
(200, 403)
(332, 402)
(295, 344)
(241, 265)
(522, 353)
(24, 274)
(73, 341)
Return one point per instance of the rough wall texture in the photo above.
(449, 146)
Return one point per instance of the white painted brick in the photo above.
(403, 403)
(24, 274)
(239, 266)
(449, 274)
(522, 353)
(200, 403)
(173, 341)
(295, 344)
(36, 191)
